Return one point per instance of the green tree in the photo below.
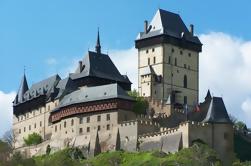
(140, 105)
(33, 139)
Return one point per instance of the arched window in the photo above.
(185, 81)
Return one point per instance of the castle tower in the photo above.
(168, 60)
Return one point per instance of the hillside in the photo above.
(197, 155)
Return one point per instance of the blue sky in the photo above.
(45, 35)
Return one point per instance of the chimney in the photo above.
(191, 29)
(80, 66)
(145, 26)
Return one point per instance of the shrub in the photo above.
(140, 105)
(33, 139)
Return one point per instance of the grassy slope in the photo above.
(197, 155)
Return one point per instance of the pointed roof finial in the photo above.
(208, 96)
(98, 46)
(22, 89)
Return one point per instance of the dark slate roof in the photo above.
(217, 112)
(99, 65)
(22, 89)
(168, 23)
(64, 87)
(44, 87)
(88, 94)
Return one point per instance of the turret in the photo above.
(22, 89)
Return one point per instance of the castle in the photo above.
(91, 108)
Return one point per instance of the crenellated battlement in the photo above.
(147, 122)
(159, 134)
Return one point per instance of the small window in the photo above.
(189, 54)
(98, 127)
(49, 108)
(154, 60)
(88, 129)
(19, 131)
(153, 49)
(225, 136)
(34, 113)
(40, 123)
(81, 120)
(35, 125)
(185, 81)
(65, 124)
(40, 110)
(60, 127)
(185, 99)
(72, 122)
(56, 128)
(172, 50)
(108, 127)
(24, 129)
(169, 60)
(175, 61)
(188, 67)
(107, 117)
(148, 61)
(147, 51)
(80, 130)
(98, 118)
(155, 92)
(181, 52)
(185, 66)
(29, 127)
(88, 120)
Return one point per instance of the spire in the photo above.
(208, 96)
(98, 47)
(22, 89)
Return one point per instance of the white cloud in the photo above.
(51, 61)
(246, 106)
(225, 68)
(6, 111)
(126, 62)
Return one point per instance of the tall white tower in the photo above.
(168, 60)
